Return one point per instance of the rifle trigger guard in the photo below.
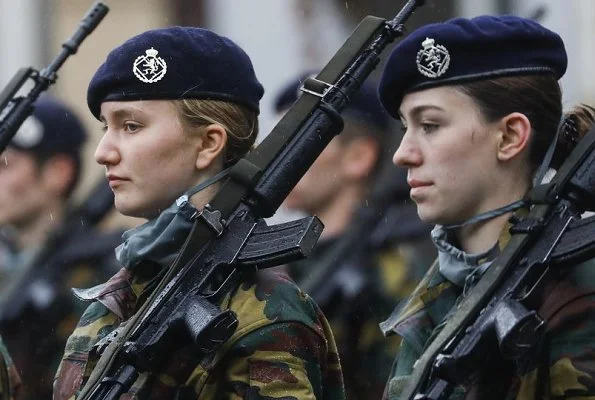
(211, 217)
(316, 87)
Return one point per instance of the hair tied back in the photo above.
(570, 134)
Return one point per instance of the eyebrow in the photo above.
(122, 113)
(415, 111)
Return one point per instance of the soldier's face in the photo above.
(23, 195)
(321, 183)
(450, 154)
(149, 159)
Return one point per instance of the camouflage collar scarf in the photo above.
(462, 269)
(160, 239)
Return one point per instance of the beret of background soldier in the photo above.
(51, 129)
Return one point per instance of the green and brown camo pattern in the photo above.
(282, 349)
(568, 306)
(366, 354)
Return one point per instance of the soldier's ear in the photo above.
(514, 133)
(210, 145)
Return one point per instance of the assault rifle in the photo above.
(498, 315)
(15, 109)
(230, 238)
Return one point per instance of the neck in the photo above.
(480, 237)
(37, 230)
(337, 214)
(202, 198)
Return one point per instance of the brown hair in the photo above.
(239, 122)
(539, 97)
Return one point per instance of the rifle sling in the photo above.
(232, 192)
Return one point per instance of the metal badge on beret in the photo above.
(433, 60)
(149, 68)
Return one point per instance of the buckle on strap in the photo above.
(211, 217)
(316, 87)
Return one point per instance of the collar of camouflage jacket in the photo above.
(122, 292)
(456, 265)
(432, 299)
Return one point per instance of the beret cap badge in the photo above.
(149, 68)
(432, 60)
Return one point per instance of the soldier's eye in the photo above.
(429, 127)
(131, 127)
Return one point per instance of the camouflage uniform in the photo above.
(359, 293)
(13, 385)
(568, 306)
(282, 348)
(39, 310)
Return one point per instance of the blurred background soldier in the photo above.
(52, 246)
(373, 248)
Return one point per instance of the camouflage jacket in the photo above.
(565, 368)
(13, 385)
(37, 306)
(282, 348)
(356, 297)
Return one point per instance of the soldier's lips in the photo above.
(418, 188)
(115, 180)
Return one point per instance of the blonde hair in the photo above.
(239, 122)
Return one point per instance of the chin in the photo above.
(430, 216)
(130, 210)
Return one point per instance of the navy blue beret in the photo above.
(52, 128)
(464, 50)
(176, 63)
(365, 106)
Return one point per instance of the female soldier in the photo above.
(178, 106)
(480, 103)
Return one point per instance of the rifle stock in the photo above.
(229, 237)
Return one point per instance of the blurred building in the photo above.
(283, 37)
